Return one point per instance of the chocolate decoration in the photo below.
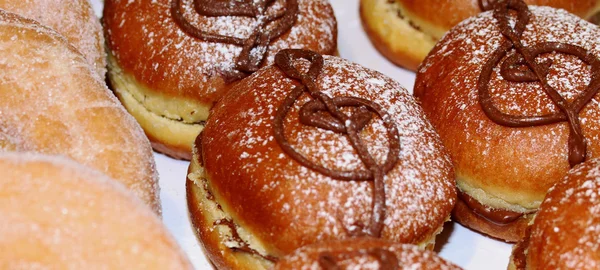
(244, 247)
(387, 259)
(326, 113)
(595, 19)
(258, 41)
(525, 57)
(486, 5)
(497, 216)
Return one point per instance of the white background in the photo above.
(457, 244)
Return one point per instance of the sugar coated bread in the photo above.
(404, 31)
(74, 19)
(168, 64)
(504, 127)
(51, 101)
(58, 214)
(566, 231)
(362, 253)
(252, 202)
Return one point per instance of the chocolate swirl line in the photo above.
(326, 113)
(523, 67)
(259, 39)
(387, 259)
(486, 5)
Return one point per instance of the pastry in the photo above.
(74, 19)
(513, 124)
(404, 31)
(565, 233)
(362, 253)
(268, 177)
(53, 102)
(168, 64)
(58, 214)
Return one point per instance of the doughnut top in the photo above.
(447, 87)
(177, 64)
(359, 254)
(58, 214)
(75, 20)
(566, 231)
(435, 17)
(289, 205)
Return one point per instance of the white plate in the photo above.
(457, 244)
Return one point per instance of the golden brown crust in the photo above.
(404, 31)
(75, 20)
(52, 102)
(181, 77)
(481, 149)
(566, 231)
(393, 36)
(204, 212)
(59, 214)
(353, 254)
(285, 205)
(442, 15)
(178, 65)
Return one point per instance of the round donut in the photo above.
(504, 169)
(404, 31)
(565, 233)
(169, 79)
(75, 20)
(252, 202)
(362, 253)
(51, 101)
(58, 214)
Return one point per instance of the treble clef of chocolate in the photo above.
(326, 113)
(247, 62)
(526, 56)
(387, 259)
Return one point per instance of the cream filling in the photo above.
(493, 201)
(214, 211)
(400, 33)
(174, 108)
(174, 133)
(432, 31)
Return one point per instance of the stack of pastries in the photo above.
(79, 187)
(298, 159)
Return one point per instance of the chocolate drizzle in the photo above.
(255, 46)
(387, 259)
(486, 5)
(326, 113)
(497, 216)
(523, 67)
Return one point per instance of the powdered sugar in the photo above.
(420, 190)
(57, 213)
(447, 85)
(52, 102)
(177, 62)
(73, 19)
(354, 254)
(572, 211)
